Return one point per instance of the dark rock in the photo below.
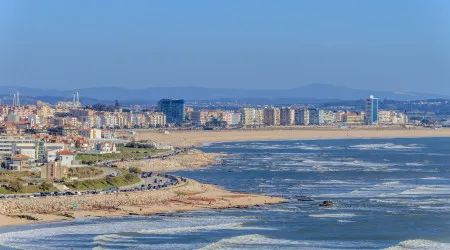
(326, 204)
(304, 198)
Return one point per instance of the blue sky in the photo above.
(401, 45)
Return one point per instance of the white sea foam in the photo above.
(385, 146)
(343, 215)
(345, 221)
(432, 178)
(428, 190)
(27, 238)
(420, 244)
(113, 238)
(414, 164)
(256, 241)
(316, 147)
(389, 184)
(187, 229)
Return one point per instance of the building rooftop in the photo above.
(19, 156)
(65, 152)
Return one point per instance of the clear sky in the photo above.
(401, 45)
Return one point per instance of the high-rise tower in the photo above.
(371, 110)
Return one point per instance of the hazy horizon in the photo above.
(401, 46)
(14, 88)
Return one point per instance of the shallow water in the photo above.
(387, 193)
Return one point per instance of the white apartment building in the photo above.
(91, 133)
(6, 145)
(34, 119)
(389, 117)
(253, 117)
(29, 149)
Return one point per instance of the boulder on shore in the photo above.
(326, 204)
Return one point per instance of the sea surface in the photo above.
(387, 193)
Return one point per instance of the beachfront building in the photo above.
(371, 110)
(287, 116)
(352, 119)
(389, 117)
(236, 119)
(199, 118)
(316, 116)
(329, 117)
(231, 118)
(272, 116)
(253, 116)
(54, 170)
(156, 119)
(301, 117)
(174, 109)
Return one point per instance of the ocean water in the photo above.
(387, 193)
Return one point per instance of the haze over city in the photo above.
(372, 45)
(230, 124)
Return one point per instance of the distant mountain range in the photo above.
(311, 92)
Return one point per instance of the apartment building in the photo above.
(7, 145)
(352, 119)
(316, 117)
(287, 116)
(272, 116)
(253, 116)
(301, 117)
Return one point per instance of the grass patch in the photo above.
(125, 152)
(84, 172)
(5, 174)
(124, 179)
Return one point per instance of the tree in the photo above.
(129, 177)
(15, 185)
(45, 186)
(135, 170)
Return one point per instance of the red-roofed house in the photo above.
(65, 157)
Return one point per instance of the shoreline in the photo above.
(195, 138)
(194, 195)
(189, 196)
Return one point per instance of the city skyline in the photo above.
(382, 45)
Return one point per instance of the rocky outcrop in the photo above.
(326, 204)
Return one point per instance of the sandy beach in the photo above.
(192, 159)
(187, 196)
(197, 137)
